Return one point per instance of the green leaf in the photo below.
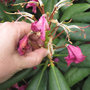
(39, 82)
(19, 1)
(76, 8)
(3, 15)
(57, 80)
(81, 17)
(16, 78)
(49, 7)
(74, 75)
(44, 2)
(86, 85)
(63, 66)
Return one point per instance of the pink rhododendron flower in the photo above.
(32, 5)
(23, 87)
(15, 86)
(75, 55)
(35, 68)
(40, 26)
(23, 45)
(56, 60)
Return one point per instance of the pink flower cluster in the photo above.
(23, 45)
(40, 26)
(75, 55)
(32, 5)
(56, 59)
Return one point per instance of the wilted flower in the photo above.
(23, 45)
(75, 55)
(40, 26)
(34, 68)
(32, 5)
(56, 60)
(23, 87)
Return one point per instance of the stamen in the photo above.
(59, 47)
(84, 27)
(40, 9)
(84, 33)
(41, 3)
(25, 17)
(61, 1)
(52, 30)
(55, 31)
(68, 21)
(58, 35)
(43, 9)
(21, 13)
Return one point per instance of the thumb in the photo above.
(33, 58)
(22, 28)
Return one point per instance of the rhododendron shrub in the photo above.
(63, 28)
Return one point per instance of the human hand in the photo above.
(10, 60)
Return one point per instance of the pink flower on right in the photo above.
(75, 55)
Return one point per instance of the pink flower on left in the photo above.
(40, 26)
(75, 55)
(32, 5)
(23, 45)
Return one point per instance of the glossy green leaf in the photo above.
(75, 8)
(39, 81)
(81, 17)
(19, 1)
(63, 66)
(49, 7)
(16, 78)
(44, 2)
(74, 75)
(57, 80)
(86, 85)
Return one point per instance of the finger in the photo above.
(22, 28)
(32, 59)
